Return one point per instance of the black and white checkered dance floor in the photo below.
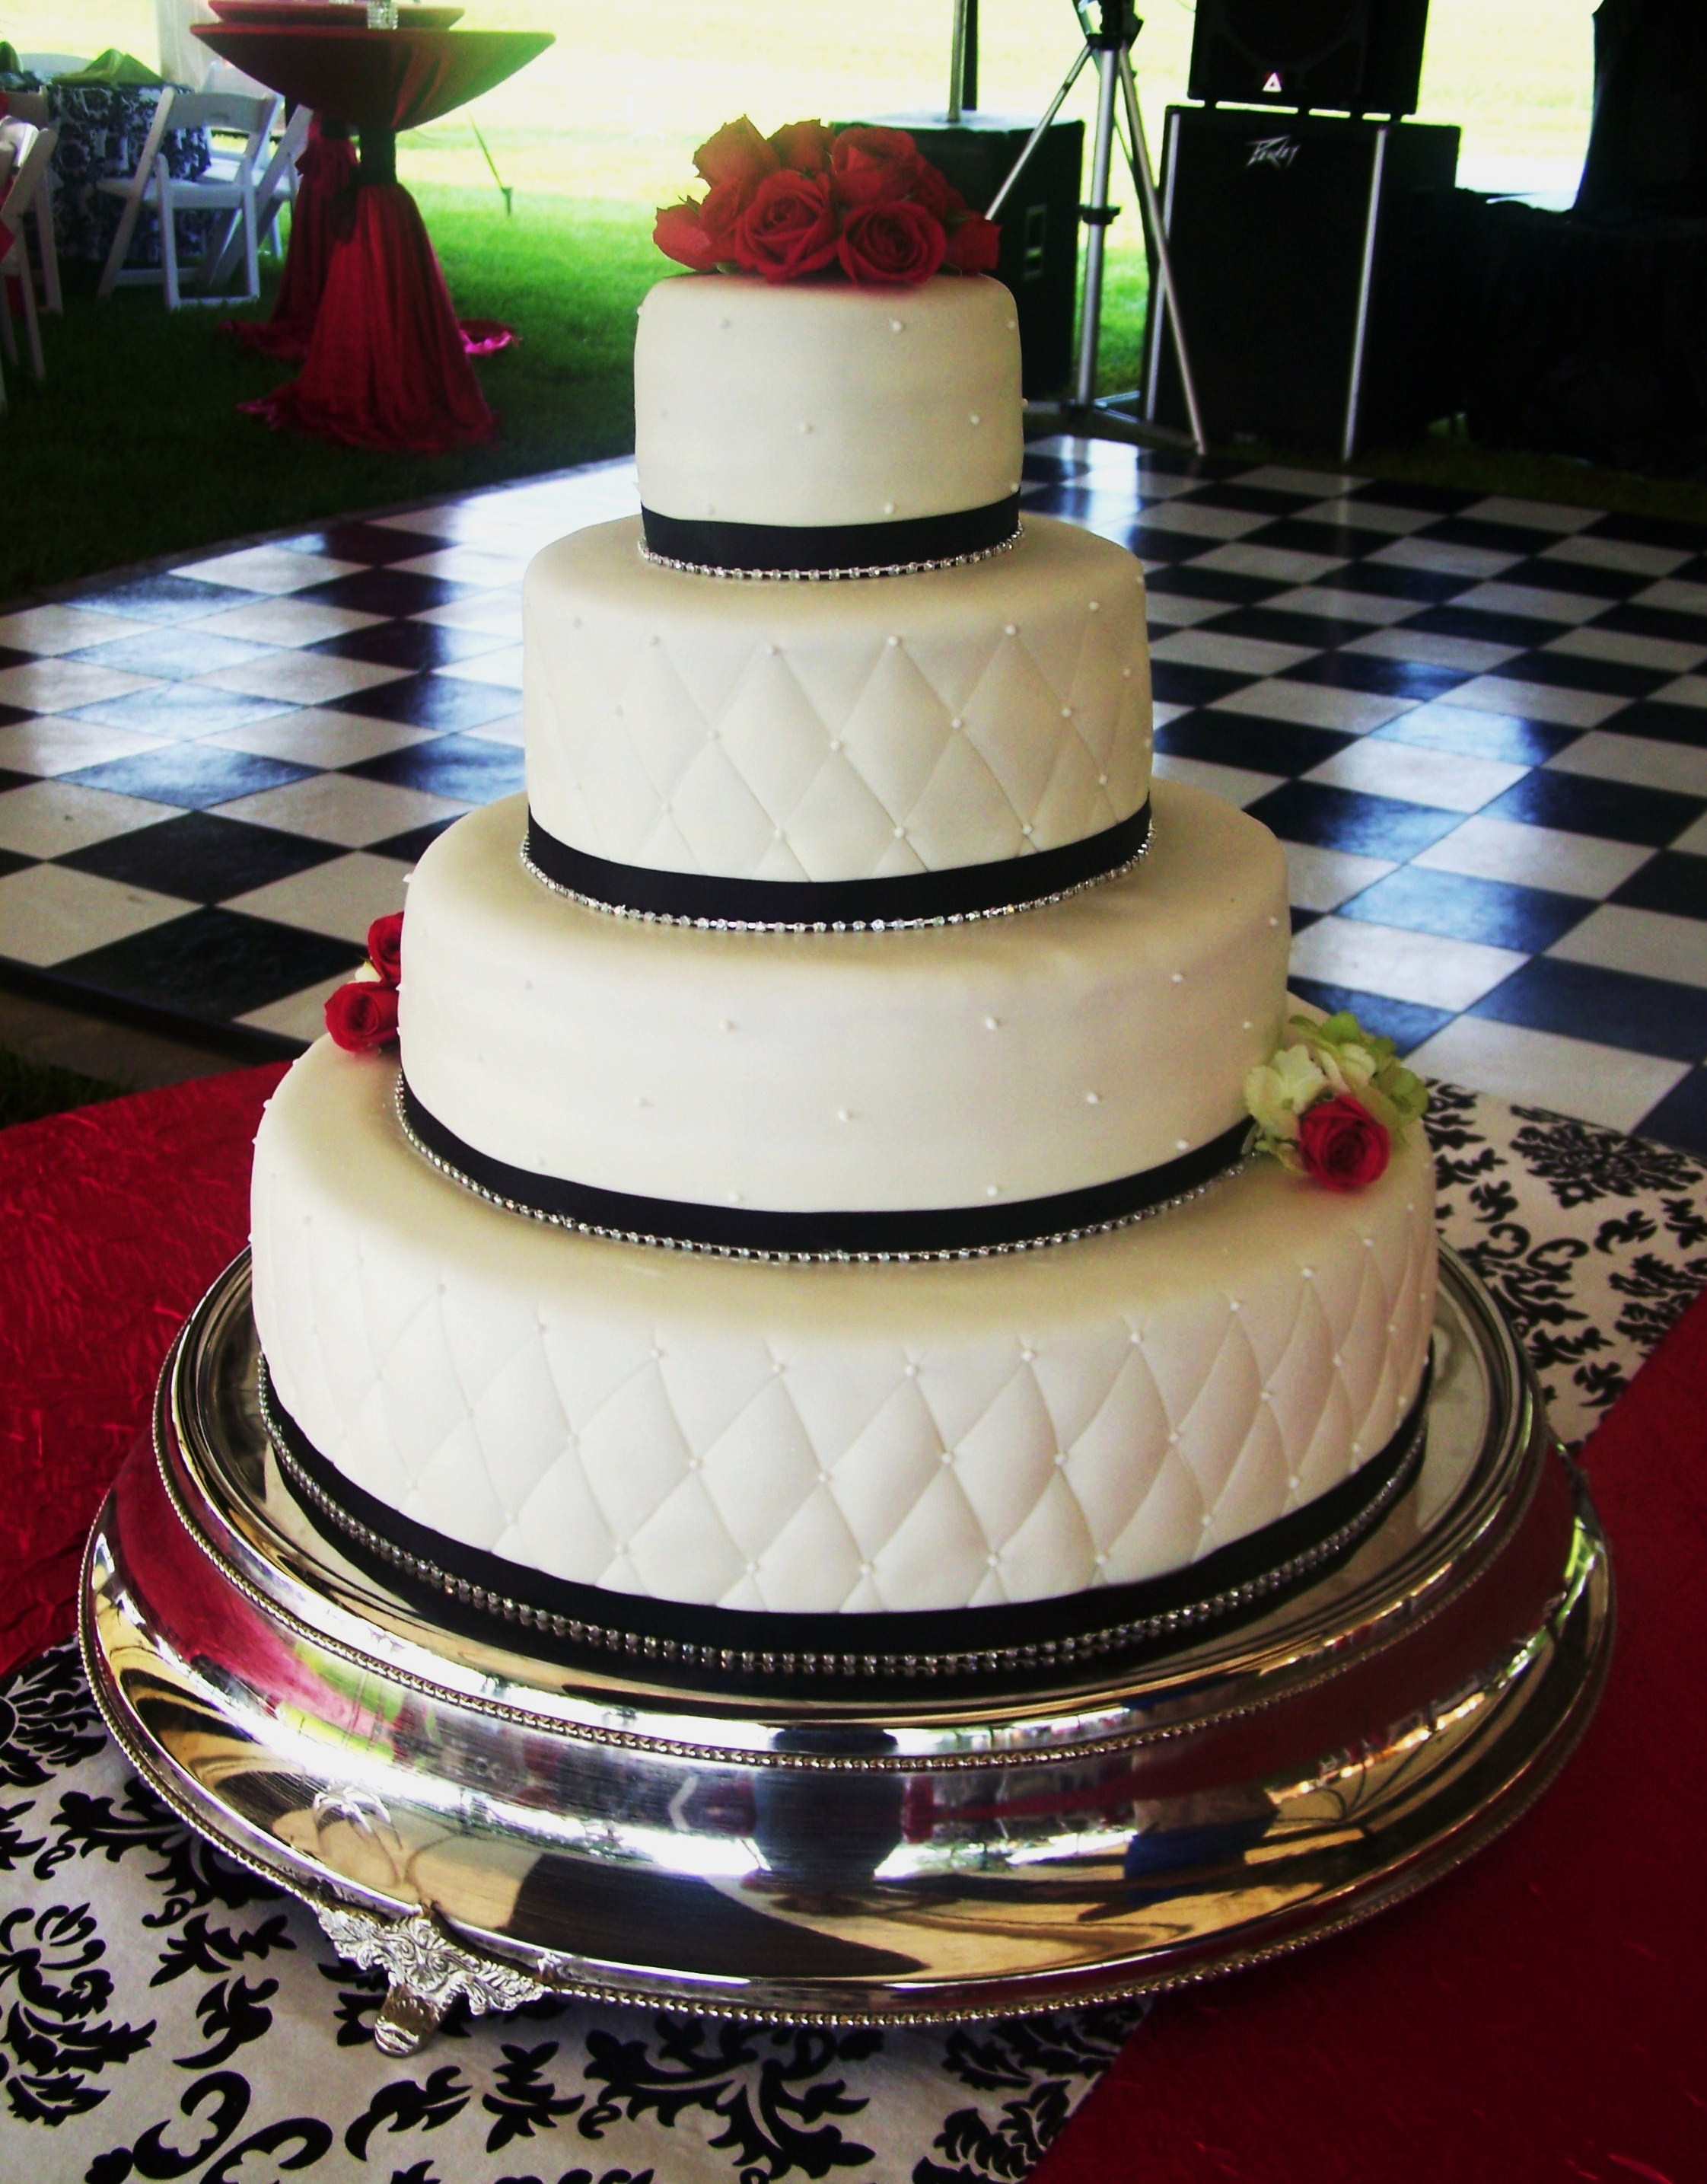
(1479, 727)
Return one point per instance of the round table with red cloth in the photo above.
(385, 364)
(1535, 2017)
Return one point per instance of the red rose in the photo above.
(789, 228)
(680, 233)
(721, 216)
(975, 243)
(1343, 1145)
(875, 166)
(803, 147)
(362, 1015)
(736, 153)
(936, 192)
(385, 947)
(890, 245)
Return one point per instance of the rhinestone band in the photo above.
(1060, 1652)
(466, 1182)
(829, 576)
(834, 925)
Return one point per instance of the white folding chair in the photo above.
(227, 185)
(133, 188)
(275, 188)
(32, 106)
(32, 148)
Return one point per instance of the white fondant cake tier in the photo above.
(818, 402)
(996, 1062)
(845, 730)
(826, 1438)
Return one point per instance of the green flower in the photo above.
(1333, 1059)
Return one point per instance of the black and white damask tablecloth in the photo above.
(163, 2015)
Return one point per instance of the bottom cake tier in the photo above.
(821, 1439)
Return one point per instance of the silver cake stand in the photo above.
(486, 1826)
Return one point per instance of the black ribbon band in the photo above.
(963, 891)
(487, 1596)
(831, 549)
(763, 1233)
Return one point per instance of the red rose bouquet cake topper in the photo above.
(860, 203)
(364, 1014)
(1332, 1104)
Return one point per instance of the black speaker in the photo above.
(1358, 56)
(1040, 221)
(1312, 276)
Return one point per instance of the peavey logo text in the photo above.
(1272, 151)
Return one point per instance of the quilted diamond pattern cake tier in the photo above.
(840, 731)
(828, 1438)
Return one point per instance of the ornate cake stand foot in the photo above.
(427, 1971)
(407, 2021)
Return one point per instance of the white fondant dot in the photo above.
(946, 1457)
(1102, 781)
(1026, 1355)
(1010, 629)
(753, 1569)
(865, 1569)
(735, 1198)
(888, 507)
(976, 419)
(1291, 1486)
(1093, 1099)
(843, 1115)
(1092, 606)
(992, 1560)
(956, 722)
(806, 424)
(912, 1372)
(895, 326)
(1267, 1397)
(1178, 978)
(1232, 1304)
(1308, 1273)
(993, 1190)
(900, 834)
(1126, 674)
(992, 1023)
(892, 641)
(835, 742)
(776, 833)
(1247, 1025)
(1060, 1459)
(1027, 828)
(724, 1025)
(776, 1364)
(1066, 712)
(1182, 1145)
(641, 1100)
(1273, 921)
(1173, 1439)
(771, 651)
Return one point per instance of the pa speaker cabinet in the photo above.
(1358, 56)
(1312, 288)
(1040, 221)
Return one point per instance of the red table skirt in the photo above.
(1536, 2016)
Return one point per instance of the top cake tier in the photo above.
(827, 406)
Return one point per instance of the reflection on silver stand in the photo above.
(1110, 44)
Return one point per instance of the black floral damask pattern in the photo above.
(165, 2014)
(103, 129)
(1594, 1243)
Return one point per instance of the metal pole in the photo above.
(1143, 176)
(992, 210)
(1097, 215)
(957, 60)
(1353, 393)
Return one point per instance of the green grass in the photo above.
(134, 447)
(30, 1089)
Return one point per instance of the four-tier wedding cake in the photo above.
(814, 1221)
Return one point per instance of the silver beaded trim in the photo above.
(831, 575)
(568, 1221)
(1055, 1652)
(838, 924)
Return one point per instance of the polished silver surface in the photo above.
(484, 1824)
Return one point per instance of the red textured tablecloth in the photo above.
(375, 79)
(1539, 2016)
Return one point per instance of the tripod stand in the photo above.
(1109, 43)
